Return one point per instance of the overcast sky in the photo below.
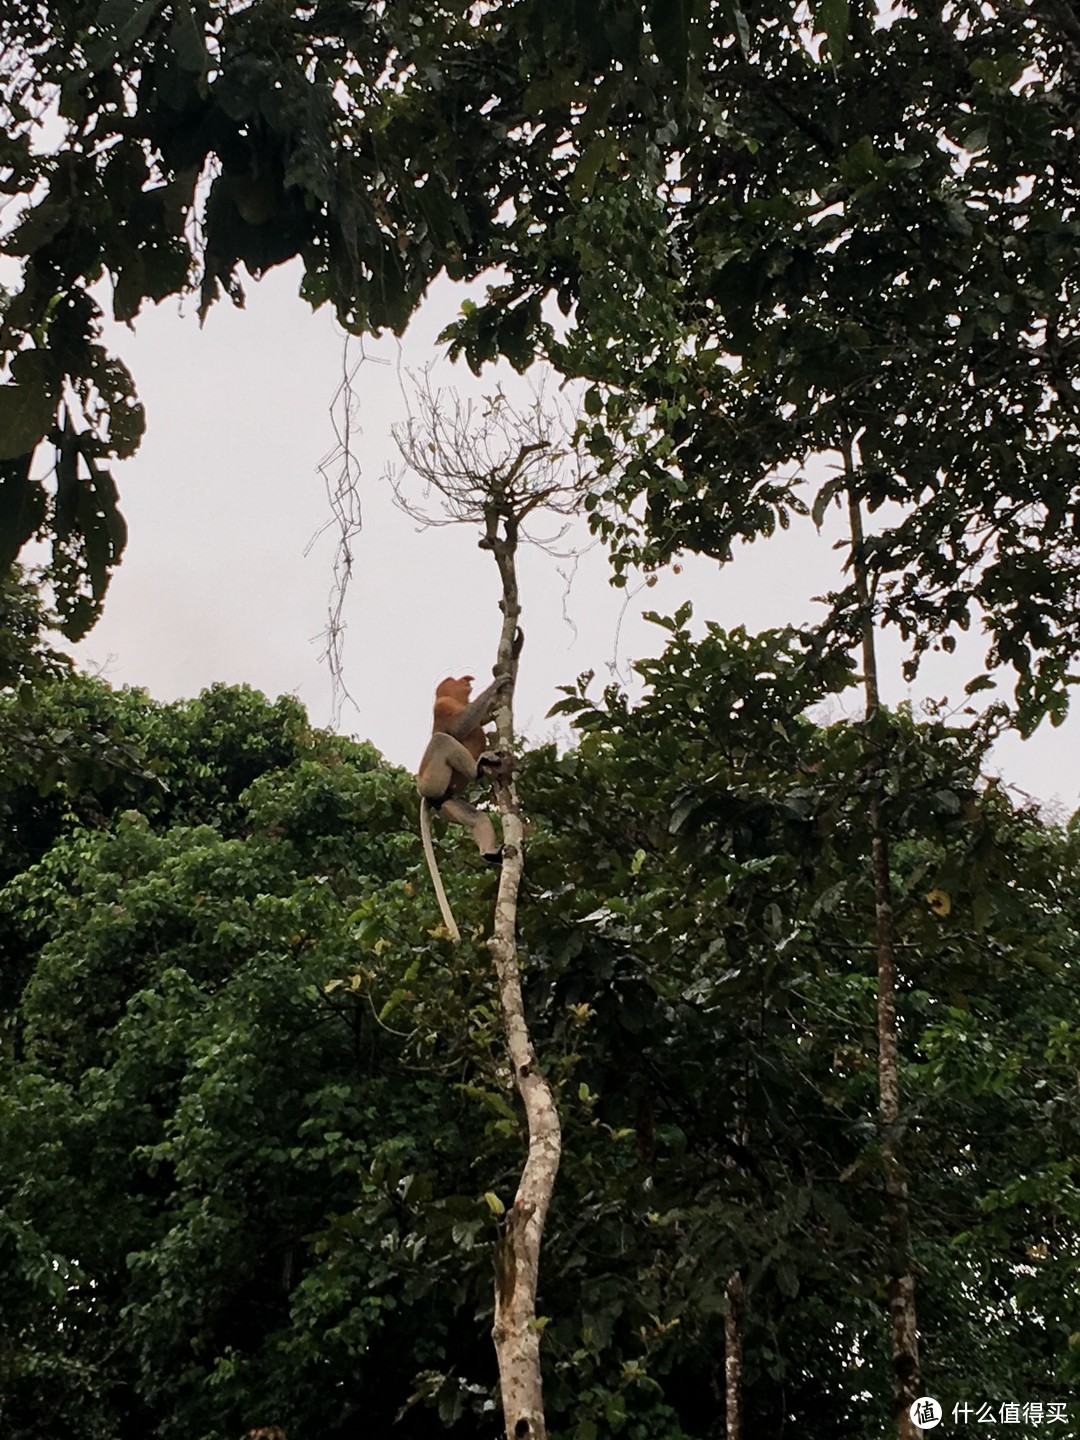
(224, 497)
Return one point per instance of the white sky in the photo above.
(224, 496)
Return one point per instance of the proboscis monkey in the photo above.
(456, 754)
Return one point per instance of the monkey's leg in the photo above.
(483, 832)
(444, 758)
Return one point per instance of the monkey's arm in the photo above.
(478, 712)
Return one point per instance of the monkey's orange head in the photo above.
(458, 690)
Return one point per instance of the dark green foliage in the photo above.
(53, 756)
(774, 234)
(721, 935)
(208, 1208)
(190, 141)
(25, 654)
(860, 236)
(253, 1109)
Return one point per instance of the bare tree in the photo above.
(495, 465)
(488, 460)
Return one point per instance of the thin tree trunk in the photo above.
(900, 1282)
(517, 1260)
(735, 1293)
(733, 1355)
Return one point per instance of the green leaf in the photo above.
(824, 498)
(669, 21)
(22, 508)
(26, 413)
(787, 1280)
(595, 155)
(831, 18)
(862, 164)
(615, 1409)
(38, 226)
(37, 367)
(188, 42)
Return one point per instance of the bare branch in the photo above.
(487, 458)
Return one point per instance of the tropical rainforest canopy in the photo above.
(252, 1104)
(806, 989)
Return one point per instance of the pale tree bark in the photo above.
(733, 1355)
(900, 1280)
(501, 465)
(517, 1260)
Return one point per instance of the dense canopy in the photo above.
(257, 1123)
(803, 989)
(775, 231)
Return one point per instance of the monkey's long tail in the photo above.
(436, 878)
